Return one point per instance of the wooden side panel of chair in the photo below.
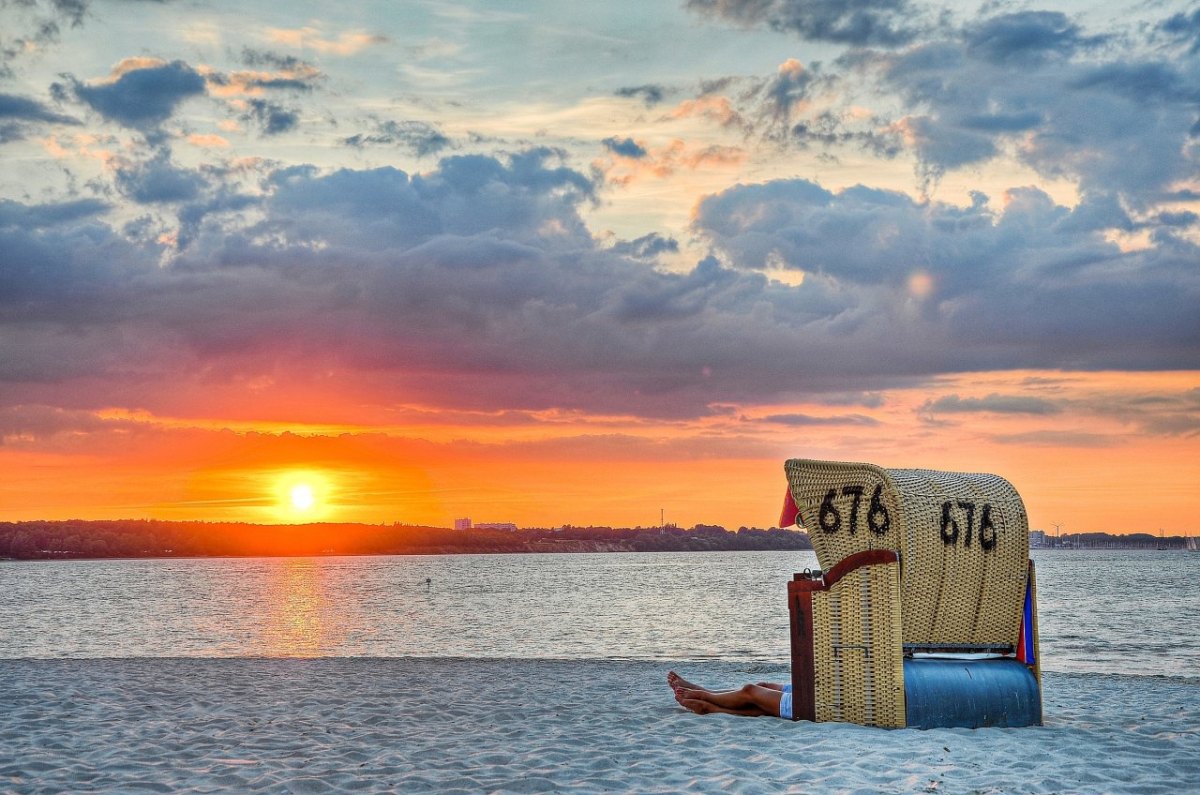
(800, 591)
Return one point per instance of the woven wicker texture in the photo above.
(963, 540)
(858, 660)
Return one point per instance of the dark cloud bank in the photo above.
(478, 284)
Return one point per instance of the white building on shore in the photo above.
(508, 526)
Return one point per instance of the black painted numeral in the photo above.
(830, 517)
(951, 531)
(855, 492)
(949, 526)
(969, 507)
(878, 519)
(877, 516)
(986, 540)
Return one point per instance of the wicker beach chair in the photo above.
(924, 613)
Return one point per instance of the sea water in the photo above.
(1128, 612)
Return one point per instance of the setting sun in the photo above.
(302, 497)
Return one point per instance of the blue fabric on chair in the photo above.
(970, 694)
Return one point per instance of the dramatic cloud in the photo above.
(625, 147)
(788, 89)
(1018, 83)
(14, 214)
(284, 63)
(1027, 36)
(141, 93)
(296, 77)
(808, 421)
(647, 247)
(1185, 28)
(523, 199)
(1158, 413)
(272, 118)
(999, 404)
(856, 22)
(418, 137)
(650, 94)
(481, 277)
(158, 180)
(1030, 86)
(26, 109)
(830, 131)
(18, 114)
(478, 244)
(986, 279)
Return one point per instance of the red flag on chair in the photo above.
(791, 511)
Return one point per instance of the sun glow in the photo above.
(302, 496)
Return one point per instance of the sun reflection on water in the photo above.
(299, 614)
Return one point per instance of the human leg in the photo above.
(702, 707)
(676, 681)
(746, 700)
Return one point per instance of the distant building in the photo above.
(1037, 539)
(508, 526)
(462, 524)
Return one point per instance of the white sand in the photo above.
(410, 725)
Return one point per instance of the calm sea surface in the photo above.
(1100, 611)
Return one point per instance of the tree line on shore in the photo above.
(42, 540)
(137, 538)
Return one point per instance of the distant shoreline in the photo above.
(148, 538)
(55, 558)
(135, 539)
(60, 558)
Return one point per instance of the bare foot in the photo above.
(702, 706)
(699, 706)
(676, 681)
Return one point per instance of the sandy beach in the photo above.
(375, 725)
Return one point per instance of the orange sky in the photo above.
(1095, 464)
